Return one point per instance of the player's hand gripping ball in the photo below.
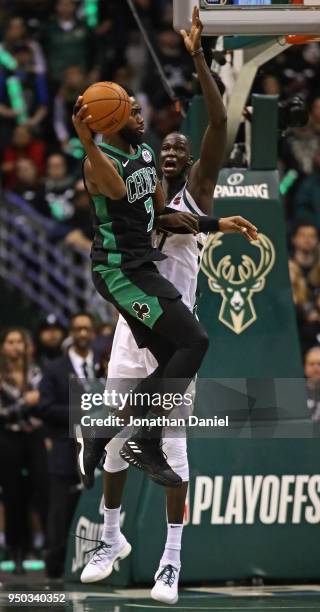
(108, 107)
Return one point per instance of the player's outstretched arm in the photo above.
(204, 173)
(101, 174)
(189, 223)
(233, 225)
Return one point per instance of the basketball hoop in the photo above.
(301, 39)
(251, 17)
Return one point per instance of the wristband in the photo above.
(208, 224)
(197, 52)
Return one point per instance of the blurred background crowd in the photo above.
(56, 49)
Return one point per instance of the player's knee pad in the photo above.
(113, 462)
(177, 457)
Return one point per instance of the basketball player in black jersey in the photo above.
(121, 178)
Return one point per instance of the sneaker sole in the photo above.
(128, 456)
(157, 597)
(124, 552)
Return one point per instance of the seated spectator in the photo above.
(48, 340)
(150, 13)
(15, 33)
(163, 120)
(80, 228)
(102, 346)
(311, 327)
(21, 443)
(35, 88)
(28, 185)
(175, 62)
(73, 84)
(300, 294)
(306, 201)
(59, 188)
(301, 145)
(299, 286)
(68, 42)
(124, 75)
(31, 71)
(32, 9)
(108, 34)
(23, 146)
(271, 85)
(305, 253)
(312, 373)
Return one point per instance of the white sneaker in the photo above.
(101, 564)
(166, 586)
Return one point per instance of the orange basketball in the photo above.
(109, 105)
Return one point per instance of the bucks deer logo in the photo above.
(237, 284)
(141, 310)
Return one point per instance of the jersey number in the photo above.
(149, 208)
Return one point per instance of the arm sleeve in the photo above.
(206, 224)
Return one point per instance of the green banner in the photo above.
(253, 510)
(246, 300)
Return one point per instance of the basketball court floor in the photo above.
(99, 598)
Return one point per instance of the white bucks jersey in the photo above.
(183, 252)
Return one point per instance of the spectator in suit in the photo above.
(79, 362)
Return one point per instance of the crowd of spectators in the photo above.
(58, 52)
(55, 54)
(38, 468)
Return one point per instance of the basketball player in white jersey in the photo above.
(188, 188)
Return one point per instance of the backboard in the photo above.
(253, 17)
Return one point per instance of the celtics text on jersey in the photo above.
(123, 228)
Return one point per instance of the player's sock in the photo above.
(111, 525)
(171, 553)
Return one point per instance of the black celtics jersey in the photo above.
(123, 228)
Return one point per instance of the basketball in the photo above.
(109, 105)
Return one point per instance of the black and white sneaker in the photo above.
(146, 454)
(90, 451)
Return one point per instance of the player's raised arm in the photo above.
(101, 174)
(204, 173)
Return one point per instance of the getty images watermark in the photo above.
(117, 401)
(207, 408)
